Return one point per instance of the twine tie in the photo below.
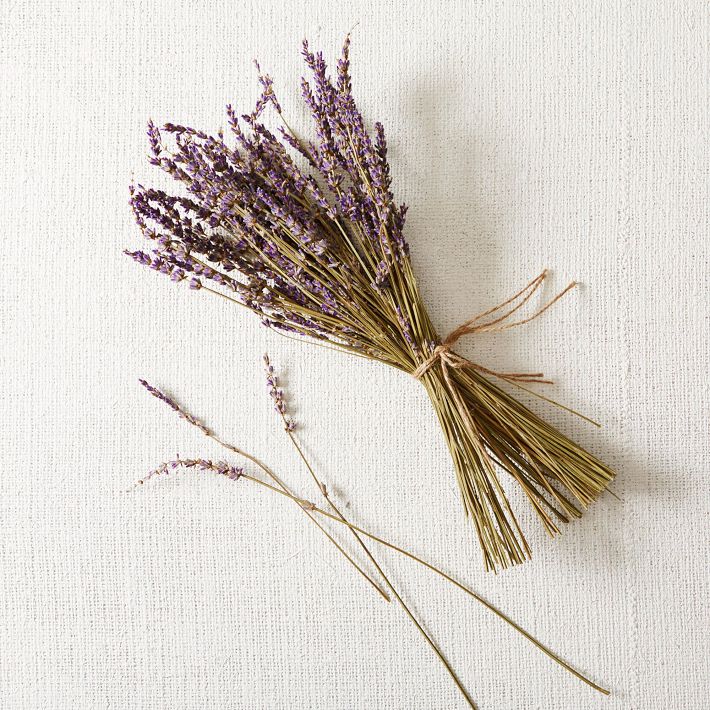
(444, 354)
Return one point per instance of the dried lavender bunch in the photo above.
(307, 235)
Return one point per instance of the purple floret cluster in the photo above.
(159, 394)
(277, 395)
(304, 233)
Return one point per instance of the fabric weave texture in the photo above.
(523, 136)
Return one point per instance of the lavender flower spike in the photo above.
(176, 407)
(277, 394)
(220, 467)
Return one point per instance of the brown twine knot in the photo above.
(443, 351)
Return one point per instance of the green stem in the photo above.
(548, 652)
(407, 610)
(283, 488)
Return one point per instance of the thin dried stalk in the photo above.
(184, 414)
(278, 486)
(289, 426)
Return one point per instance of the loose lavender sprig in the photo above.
(277, 396)
(235, 473)
(176, 407)
(220, 467)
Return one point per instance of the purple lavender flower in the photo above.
(406, 328)
(154, 140)
(222, 468)
(277, 394)
(158, 394)
(139, 256)
(310, 249)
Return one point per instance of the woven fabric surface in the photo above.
(572, 136)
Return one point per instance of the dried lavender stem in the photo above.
(285, 489)
(308, 507)
(190, 419)
(547, 651)
(279, 402)
(289, 425)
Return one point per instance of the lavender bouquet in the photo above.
(307, 235)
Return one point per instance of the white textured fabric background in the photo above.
(523, 135)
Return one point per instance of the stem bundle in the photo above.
(307, 236)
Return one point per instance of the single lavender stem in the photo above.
(289, 425)
(277, 397)
(501, 615)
